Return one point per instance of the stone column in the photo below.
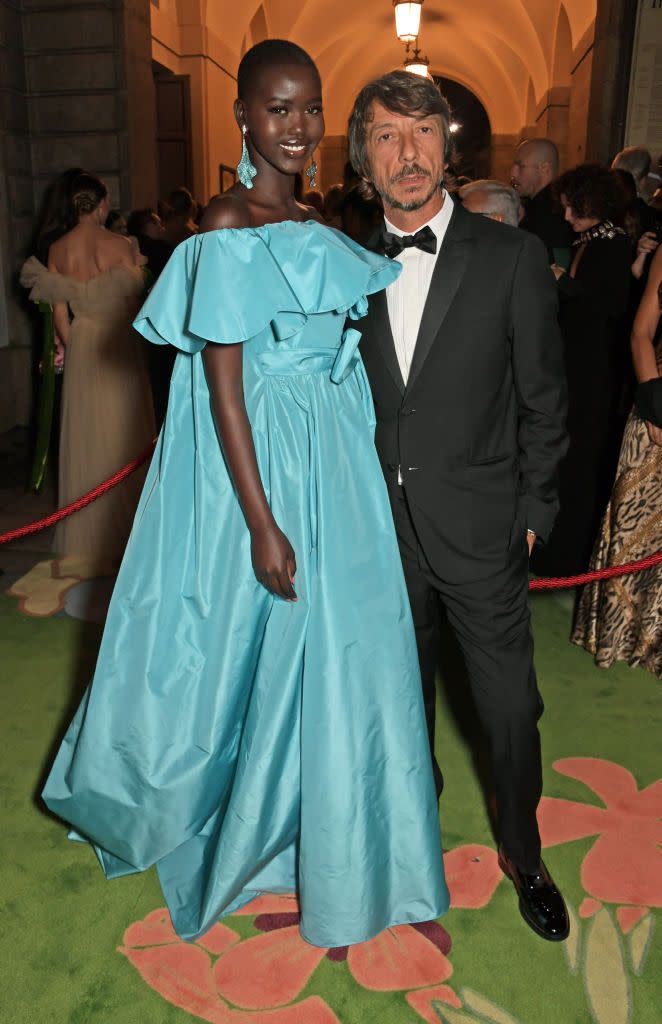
(610, 75)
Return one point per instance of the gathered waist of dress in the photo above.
(293, 362)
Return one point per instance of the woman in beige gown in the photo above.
(621, 619)
(107, 413)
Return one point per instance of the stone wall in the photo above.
(644, 121)
(552, 119)
(83, 61)
(16, 217)
(77, 90)
(580, 94)
(502, 156)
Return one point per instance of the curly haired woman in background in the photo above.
(593, 306)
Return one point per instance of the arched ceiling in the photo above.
(506, 52)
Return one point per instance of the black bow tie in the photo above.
(424, 239)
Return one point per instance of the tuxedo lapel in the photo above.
(381, 324)
(449, 270)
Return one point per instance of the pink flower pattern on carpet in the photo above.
(472, 875)
(185, 974)
(624, 865)
(224, 980)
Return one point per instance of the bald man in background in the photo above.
(535, 166)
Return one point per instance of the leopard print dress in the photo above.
(620, 619)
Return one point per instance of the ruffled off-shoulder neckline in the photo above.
(51, 286)
(230, 284)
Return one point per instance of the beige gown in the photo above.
(107, 412)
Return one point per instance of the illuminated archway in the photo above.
(510, 55)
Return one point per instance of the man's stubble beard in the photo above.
(415, 204)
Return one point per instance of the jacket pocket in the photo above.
(490, 460)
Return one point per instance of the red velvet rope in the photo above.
(74, 506)
(553, 583)
(559, 582)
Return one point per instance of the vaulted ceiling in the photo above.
(509, 52)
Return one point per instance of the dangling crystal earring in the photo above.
(245, 168)
(311, 172)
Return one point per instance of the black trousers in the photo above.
(491, 621)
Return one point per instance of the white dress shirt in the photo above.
(406, 297)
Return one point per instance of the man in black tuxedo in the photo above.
(465, 362)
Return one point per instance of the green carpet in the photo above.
(74, 951)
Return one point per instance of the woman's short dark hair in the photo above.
(85, 194)
(592, 191)
(402, 93)
(269, 53)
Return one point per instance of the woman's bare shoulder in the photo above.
(112, 248)
(56, 252)
(226, 211)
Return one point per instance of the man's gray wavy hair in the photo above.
(402, 93)
(502, 199)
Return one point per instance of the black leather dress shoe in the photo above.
(540, 902)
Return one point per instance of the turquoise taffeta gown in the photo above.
(242, 743)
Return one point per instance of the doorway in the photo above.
(173, 130)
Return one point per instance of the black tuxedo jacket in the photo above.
(479, 429)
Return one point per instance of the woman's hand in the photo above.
(58, 358)
(647, 243)
(274, 561)
(654, 433)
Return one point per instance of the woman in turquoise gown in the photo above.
(247, 736)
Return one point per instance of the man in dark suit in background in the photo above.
(465, 363)
(535, 166)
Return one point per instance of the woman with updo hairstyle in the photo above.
(95, 282)
(256, 723)
(594, 300)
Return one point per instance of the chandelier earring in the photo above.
(311, 175)
(246, 170)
